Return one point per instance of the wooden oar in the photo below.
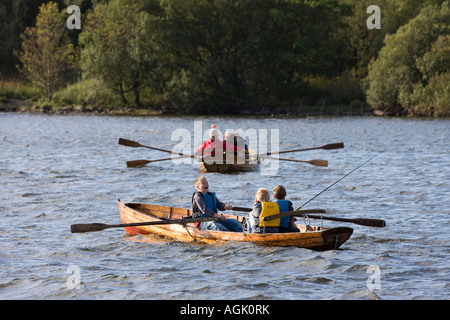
(140, 163)
(294, 213)
(92, 227)
(361, 221)
(329, 146)
(241, 209)
(289, 213)
(134, 144)
(314, 162)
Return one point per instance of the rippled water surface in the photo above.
(60, 170)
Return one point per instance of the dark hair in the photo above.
(279, 192)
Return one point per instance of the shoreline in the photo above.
(29, 106)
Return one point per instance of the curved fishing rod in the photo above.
(336, 182)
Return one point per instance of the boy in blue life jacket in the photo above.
(286, 223)
(206, 204)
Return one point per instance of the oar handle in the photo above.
(284, 214)
(241, 209)
(294, 213)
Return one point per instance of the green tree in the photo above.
(115, 48)
(365, 43)
(431, 96)
(46, 50)
(12, 25)
(408, 60)
(247, 54)
(15, 16)
(307, 40)
(212, 52)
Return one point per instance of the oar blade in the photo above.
(331, 146)
(137, 163)
(129, 143)
(377, 223)
(314, 162)
(318, 162)
(87, 227)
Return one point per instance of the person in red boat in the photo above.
(215, 145)
(208, 147)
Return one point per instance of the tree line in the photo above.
(229, 57)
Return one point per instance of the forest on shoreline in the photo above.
(222, 57)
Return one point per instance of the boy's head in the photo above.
(262, 195)
(279, 192)
(201, 184)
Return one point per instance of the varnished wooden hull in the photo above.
(324, 239)
(227, 167)
(232, 164)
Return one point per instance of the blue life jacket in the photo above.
(284, 207)
(211, 203)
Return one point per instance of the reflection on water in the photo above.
(60, 170)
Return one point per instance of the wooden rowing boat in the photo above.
(314, 238)
(230, 164)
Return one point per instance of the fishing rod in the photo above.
(336, 182)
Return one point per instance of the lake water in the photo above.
(58, 170)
